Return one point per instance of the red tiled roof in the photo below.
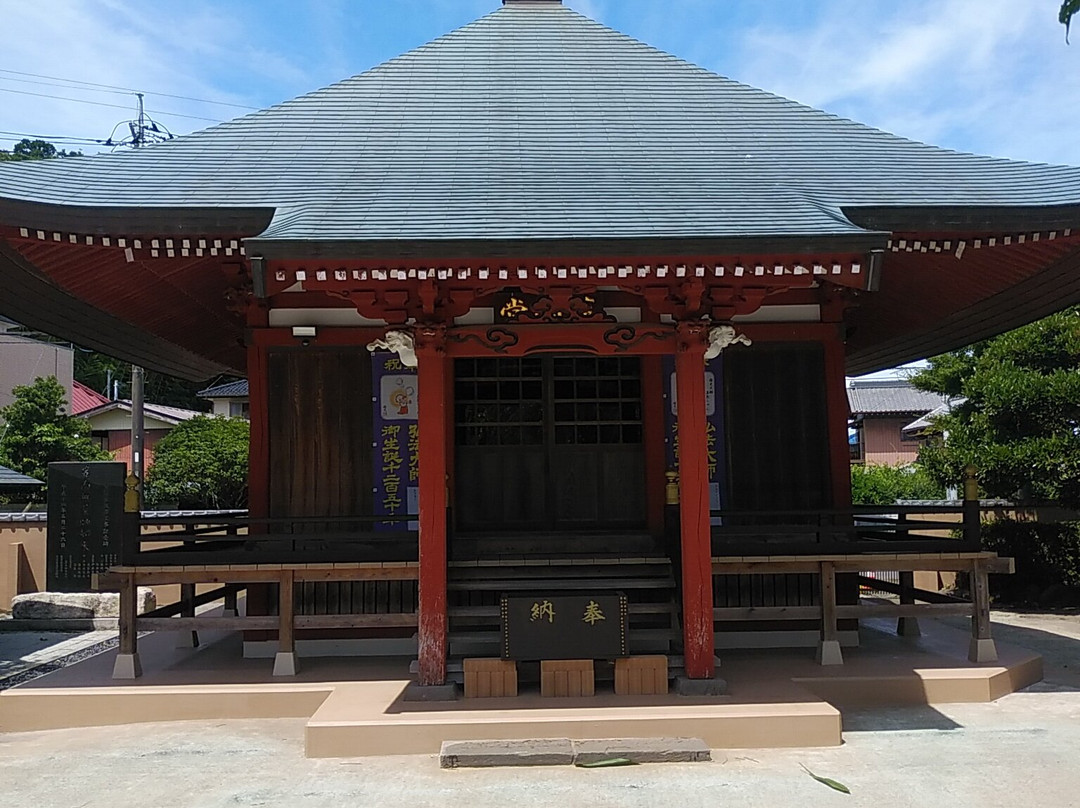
(83, 398)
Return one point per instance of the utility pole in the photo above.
(142, 130)
(137, 412)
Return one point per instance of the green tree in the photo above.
(1020, 423)
(36, 431)
(1069, 9)
(27, 149)
(202, 463)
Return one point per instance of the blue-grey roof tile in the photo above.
(536, 122)
(9, 477)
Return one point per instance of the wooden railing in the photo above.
(241, 539)
(861, 529)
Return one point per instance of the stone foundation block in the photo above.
(567, 677)
(829, 653)
(982, 651)
(75, 605)
(127, 666)
(417, 692)
(643, 750)
(490, 678)
(538, 752)
(641, 676)
(684, 686)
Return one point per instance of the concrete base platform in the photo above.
(357, 707)
(357, 720)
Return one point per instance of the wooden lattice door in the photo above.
(549, 443)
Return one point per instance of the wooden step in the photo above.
(466, 612)
(599, 584)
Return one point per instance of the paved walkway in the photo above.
(1020, 750)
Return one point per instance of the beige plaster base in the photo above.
(776, 698)
(350, 723)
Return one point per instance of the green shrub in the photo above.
(883, 485)
(203, 463)
(1047, 560)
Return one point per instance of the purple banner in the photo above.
(714, 426)
(396, 441)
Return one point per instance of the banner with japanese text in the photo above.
(396, 440)
(714, 426)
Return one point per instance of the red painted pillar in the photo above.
(694, 501)
(431, 369)
(838, 413)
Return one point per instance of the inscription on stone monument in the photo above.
(86, 506)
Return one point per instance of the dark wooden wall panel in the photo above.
(320, 433)
(776, 425)
(320, 464)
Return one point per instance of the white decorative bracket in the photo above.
(401, 343)
(721, 337)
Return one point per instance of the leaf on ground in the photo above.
(603, 764)
(833, 784)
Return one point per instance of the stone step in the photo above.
(567, 752)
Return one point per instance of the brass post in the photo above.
(671, 490)
(972, 529)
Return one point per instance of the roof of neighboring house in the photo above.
(924, 422)
(237, 389)
(83, 398)
(535, 122)
(172, 415)
(8, 477)
(890, 397)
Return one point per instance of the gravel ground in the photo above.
(26, 655)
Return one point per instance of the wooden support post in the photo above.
(187, 639)
(696, 540)
(259, 454)
(982, 648)
(432, 363)
(259, 418)
(127, 665)
(829, 647)
(907, 626)
(285, 661)
(838, 413)
(229, 607)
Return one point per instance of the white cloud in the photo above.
(191, 51)
(984, 75)
(992, 76)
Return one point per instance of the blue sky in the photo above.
(990, 76)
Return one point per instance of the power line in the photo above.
(66, 86)
(106, 104)
(7, 135)
(114, 88)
